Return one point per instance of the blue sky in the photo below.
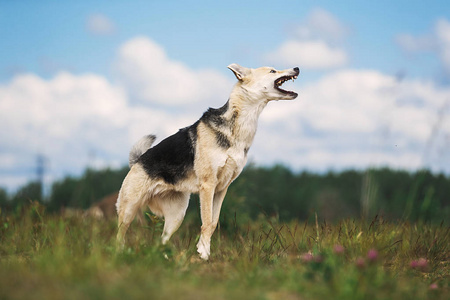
(76, 80)
(202, 33)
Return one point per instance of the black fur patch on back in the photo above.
(214, 119)
(173, 157)
(214, 116)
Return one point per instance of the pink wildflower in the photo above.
(372, 255)
(422, 264)
(307, 257)
(434, 286)
(338, 249)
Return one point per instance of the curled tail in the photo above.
(140, 148)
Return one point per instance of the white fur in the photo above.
(140, 148)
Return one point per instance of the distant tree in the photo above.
(30, 192)
(276, 191)
(84, 191)
(63, 193)
(4, 203)
(279, 192)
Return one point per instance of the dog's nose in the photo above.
(296, 69)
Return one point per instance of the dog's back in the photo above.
(172, 158)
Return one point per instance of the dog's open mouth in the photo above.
(282, 80)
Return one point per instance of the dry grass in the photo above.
(50, 257)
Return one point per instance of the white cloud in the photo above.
(321, 24)
(57, 104)
(150, 75)
(316, 44)
(356, 118)
(99, 24)
(325, 159)
(436, 41)
(60, 117)
(68, 117)
(411, 43)
(308, 55)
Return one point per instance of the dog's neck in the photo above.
(246, 113)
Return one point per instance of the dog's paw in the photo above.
(203, 255)
(203, 250)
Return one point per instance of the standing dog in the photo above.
(202, 158)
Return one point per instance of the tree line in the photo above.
(276, 192)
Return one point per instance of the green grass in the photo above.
(46, 256)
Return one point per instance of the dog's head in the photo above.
(265, 83)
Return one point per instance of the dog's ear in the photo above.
(239, 71)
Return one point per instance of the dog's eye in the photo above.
(273, 71)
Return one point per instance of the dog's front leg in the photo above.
(218, 200)
(206, 212)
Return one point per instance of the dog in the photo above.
(203, 158)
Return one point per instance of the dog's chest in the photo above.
(235, 161)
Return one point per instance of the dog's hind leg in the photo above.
(173, 206)
(133, 194)
(127, 214)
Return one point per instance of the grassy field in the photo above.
(46, 256)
